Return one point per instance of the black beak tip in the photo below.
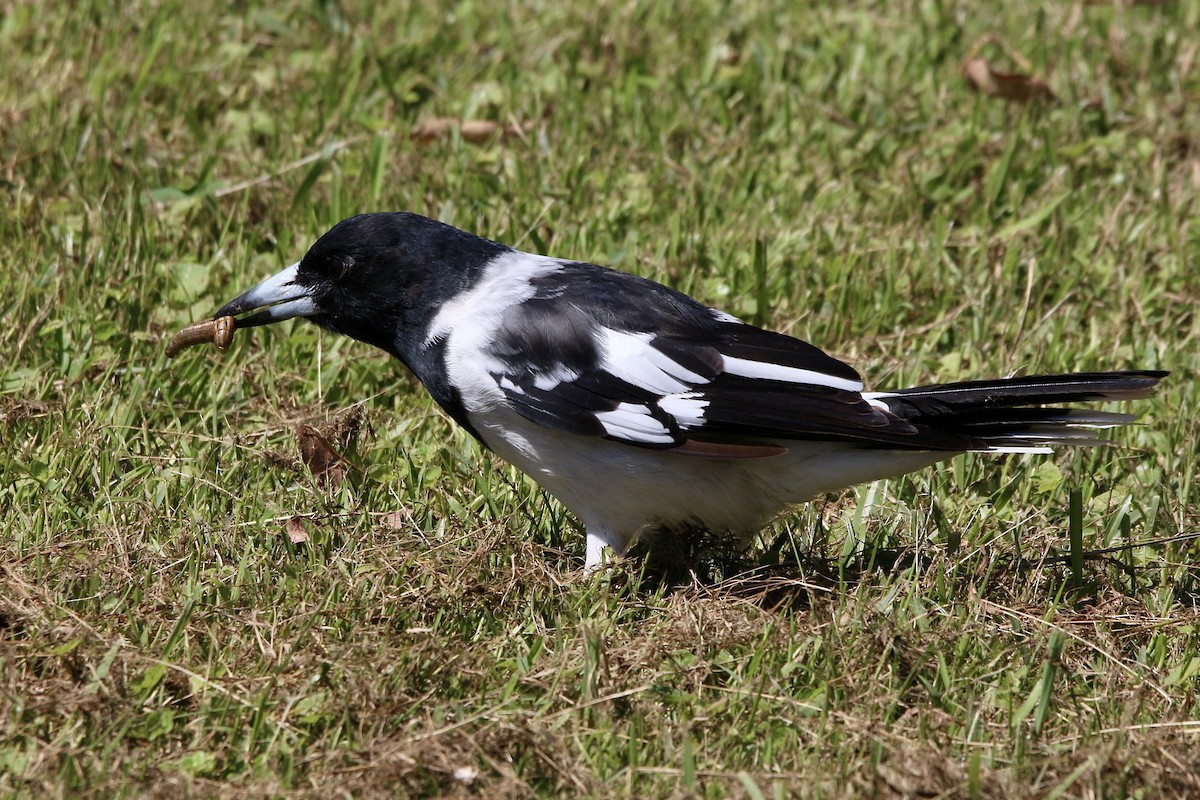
(233, 308)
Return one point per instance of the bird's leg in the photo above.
(602, 547)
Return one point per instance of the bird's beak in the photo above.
(277, 298)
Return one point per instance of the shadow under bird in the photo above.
(639, 408)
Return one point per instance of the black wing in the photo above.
(601, 353)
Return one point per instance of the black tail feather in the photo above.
(1008, 413)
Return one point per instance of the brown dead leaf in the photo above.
(434, 128)
(478, 131)
(296, 530)
(1016, 86)
(322, 460)
(1020, 87)
(475, 131)
(397, 520)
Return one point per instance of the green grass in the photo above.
(823, 169)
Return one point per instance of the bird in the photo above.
(643, 410)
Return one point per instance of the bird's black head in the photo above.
(376, 277)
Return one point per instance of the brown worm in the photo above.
(217, 331)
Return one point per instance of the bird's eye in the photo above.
(336, 267)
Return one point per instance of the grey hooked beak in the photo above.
(279, 297)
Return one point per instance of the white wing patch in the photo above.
(630, 357)
(778, 372)
(633, 423)
(687, 409)
(548, 380)
(876, 400)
